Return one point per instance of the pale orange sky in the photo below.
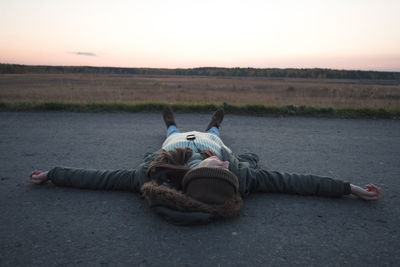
(341, 34)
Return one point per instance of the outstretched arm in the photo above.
(87, 179)
(272, 181)
(290, 183)
(371, 192)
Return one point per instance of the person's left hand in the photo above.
(38, 177)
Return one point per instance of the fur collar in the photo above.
(176, 200)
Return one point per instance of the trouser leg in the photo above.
(214, 130)
(172, 130)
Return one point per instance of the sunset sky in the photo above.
(341, 34)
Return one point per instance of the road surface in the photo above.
(54, 226)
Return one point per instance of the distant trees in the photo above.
(315, 73)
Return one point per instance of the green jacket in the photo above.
(251, 177)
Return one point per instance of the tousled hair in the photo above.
(169, 167)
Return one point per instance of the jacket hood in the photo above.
(161, 195)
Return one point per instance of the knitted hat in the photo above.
(210, 185)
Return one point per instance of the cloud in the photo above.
(89, 54)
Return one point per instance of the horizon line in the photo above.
(216, 67)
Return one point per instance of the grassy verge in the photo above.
(257, 110)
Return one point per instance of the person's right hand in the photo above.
(371, 192)
(38, 177)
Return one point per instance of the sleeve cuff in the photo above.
(346, 188)
(50, 174)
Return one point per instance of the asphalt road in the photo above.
(54, 226)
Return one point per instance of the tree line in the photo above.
(314, 73)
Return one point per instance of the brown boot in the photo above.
(216, 119)
(168, 116)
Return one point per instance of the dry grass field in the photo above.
(83, 88)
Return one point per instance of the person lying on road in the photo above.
(195, 178)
